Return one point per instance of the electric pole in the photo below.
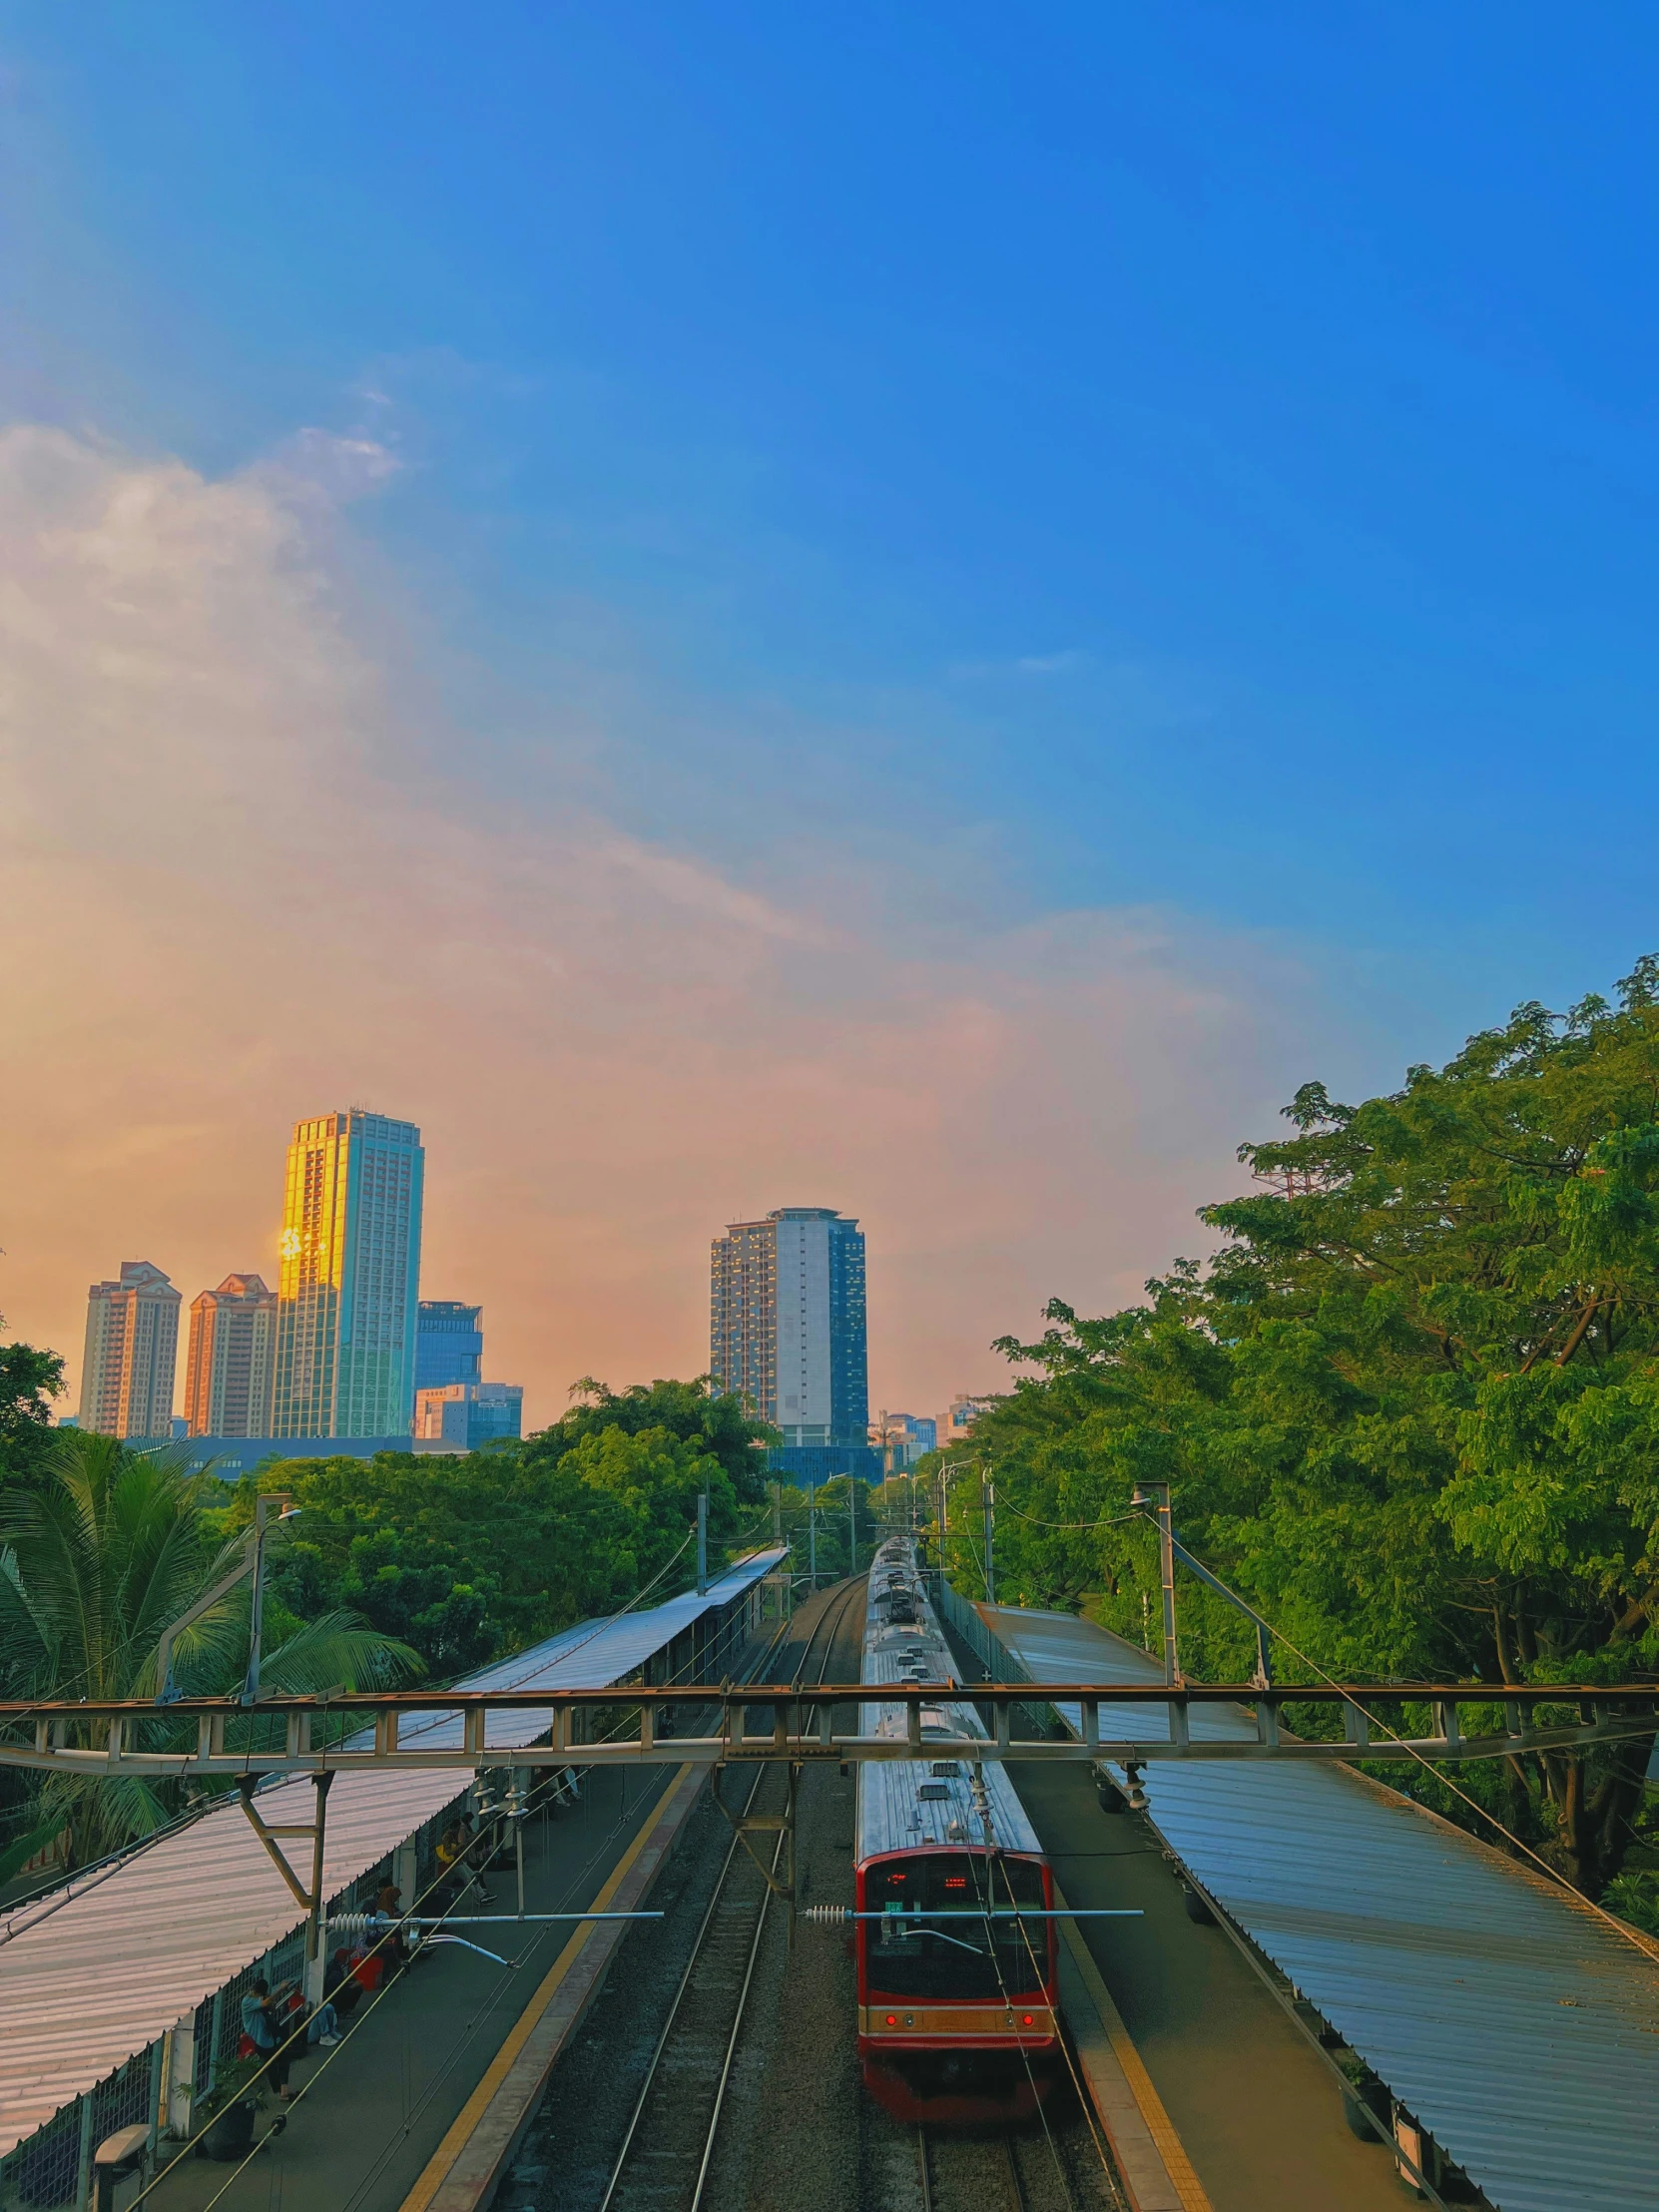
(1159, 1499)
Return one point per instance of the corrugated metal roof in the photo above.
(1519, 2028)
(891, 1815)
(86, 1983)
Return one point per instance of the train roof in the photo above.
(920, 1804)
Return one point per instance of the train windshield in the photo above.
(946, 1960)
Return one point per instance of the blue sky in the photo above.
(1199, 459)
(1215, 444)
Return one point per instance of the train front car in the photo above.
(956, 1991)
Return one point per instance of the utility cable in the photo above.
(1639, 1942)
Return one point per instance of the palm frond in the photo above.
(338, 1647)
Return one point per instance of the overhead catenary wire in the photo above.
(1634, 1936)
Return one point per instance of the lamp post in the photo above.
(251, 1562)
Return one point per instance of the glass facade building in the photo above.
(463, 1416)
(349, 1286)
(788, 1331)
(449, 1344)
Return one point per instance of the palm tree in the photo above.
(94, 1562)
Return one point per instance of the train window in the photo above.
(953, 1960)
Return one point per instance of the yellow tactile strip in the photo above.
(1151, 2156)
(464, 2169)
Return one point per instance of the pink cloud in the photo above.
(232, 895)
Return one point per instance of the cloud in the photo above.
(235, 889)
(1025, 664)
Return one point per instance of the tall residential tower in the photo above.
(132, 1354)
(787, 1330)
(231, 1371)
(350, 1273)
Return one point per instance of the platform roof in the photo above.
(1504, 2015)
(91, 1975)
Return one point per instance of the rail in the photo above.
(204, 1736)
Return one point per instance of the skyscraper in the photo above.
(349, 1284)
(231, 1369)
(449, 1344)
(786, 1329)
(132, 1354)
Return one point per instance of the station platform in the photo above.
(369, 2117)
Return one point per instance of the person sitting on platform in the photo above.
(262, 2023)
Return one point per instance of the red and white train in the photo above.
(957, 2005)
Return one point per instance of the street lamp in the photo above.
(252, 1563)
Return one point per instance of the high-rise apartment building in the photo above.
(787, 1329)
(449, 1344)
(132, 1354)
(350, 1271)
(231, 1368)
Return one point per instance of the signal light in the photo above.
(1027, 2017)
(893, 2019)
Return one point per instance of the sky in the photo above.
(918, 610)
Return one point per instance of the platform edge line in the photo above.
(1179, 2168)
(465, 2126)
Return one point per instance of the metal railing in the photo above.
(104, 1739)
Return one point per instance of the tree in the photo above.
(108, 1550)
(696, 1412)
(1410, 1410)
(468, 1556)
(29, 1381)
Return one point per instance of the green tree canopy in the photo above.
(466, 1557)
(1410, 1410)
(106, 1553)
(29, 1380)
(696, 1412)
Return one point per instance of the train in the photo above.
(958, 2017)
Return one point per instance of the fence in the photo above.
(1000, 1663)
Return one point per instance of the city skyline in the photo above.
(933, 732)
(354, 1186)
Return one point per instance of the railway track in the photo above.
(1038, 2169)
(666, 2154)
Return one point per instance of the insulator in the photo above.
(827, 1915)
